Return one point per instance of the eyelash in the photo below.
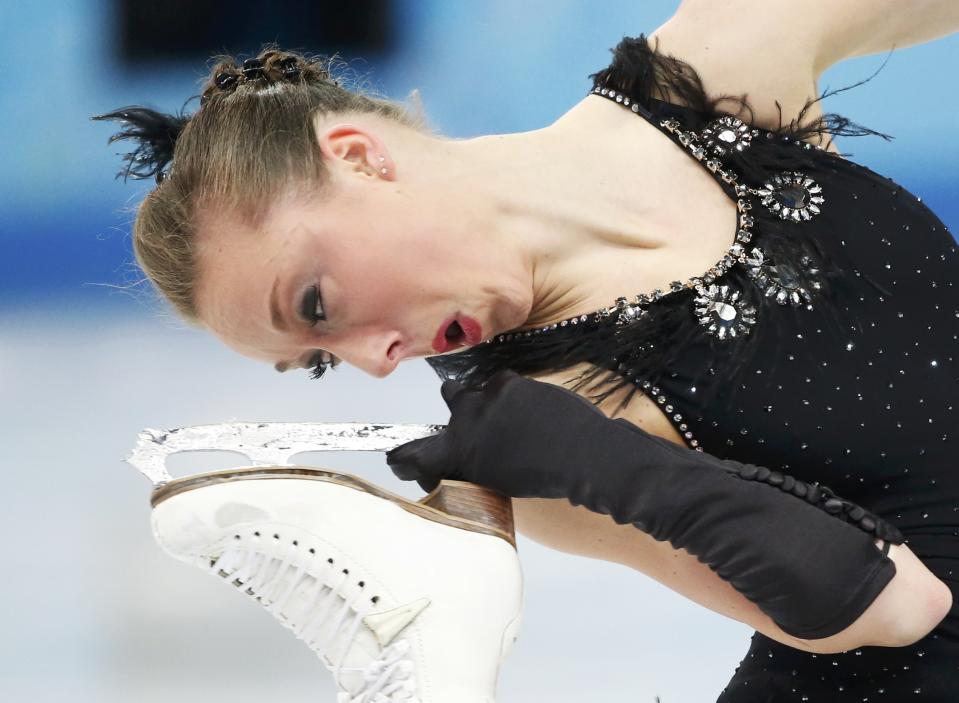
(321, 361)
(309, 311)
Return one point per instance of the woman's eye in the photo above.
(312, 306)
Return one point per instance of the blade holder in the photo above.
(267, 443)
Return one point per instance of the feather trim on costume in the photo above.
(644, 349)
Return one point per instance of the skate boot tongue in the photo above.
(325, 608)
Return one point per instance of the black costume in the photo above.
(821, 345)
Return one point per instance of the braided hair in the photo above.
(251, 137)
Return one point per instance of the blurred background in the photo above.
(93, 610)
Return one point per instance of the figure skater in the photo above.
(676, 326)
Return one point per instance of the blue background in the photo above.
(482, 67)
(93, 611)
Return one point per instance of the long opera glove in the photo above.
(805, 556)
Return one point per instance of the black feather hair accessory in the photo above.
(156, 132)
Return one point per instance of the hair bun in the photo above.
(225, 81)
(252, 69)
(289, 67)
(272, 65)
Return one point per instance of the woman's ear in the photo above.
(349, 144)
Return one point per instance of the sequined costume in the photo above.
(821, 345)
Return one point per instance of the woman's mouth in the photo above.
(456, 331)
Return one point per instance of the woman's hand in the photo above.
(523, 438)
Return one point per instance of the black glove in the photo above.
(495, 437)
(805, 556)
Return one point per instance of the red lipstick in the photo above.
(474, 333)
(469, 333)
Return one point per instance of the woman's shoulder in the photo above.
(765, 91)
(747, 78)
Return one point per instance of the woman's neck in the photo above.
(557, 199)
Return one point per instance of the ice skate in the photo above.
(407, 601)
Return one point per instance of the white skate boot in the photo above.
(406, 601)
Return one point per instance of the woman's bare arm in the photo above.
(862, 27)
(910, 606)
(825, 30)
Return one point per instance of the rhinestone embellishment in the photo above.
(655, 393)
(792, 196)
(626, 313)
(727, 134)
(722, 313)
(783, 282)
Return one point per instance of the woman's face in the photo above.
(385, 259)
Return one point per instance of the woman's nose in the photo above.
(375, 353)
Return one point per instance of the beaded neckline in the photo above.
(715, 322)
(718, 138)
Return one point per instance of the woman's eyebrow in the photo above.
(276, 316)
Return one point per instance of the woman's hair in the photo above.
(251, 138)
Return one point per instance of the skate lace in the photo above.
(330, 614)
